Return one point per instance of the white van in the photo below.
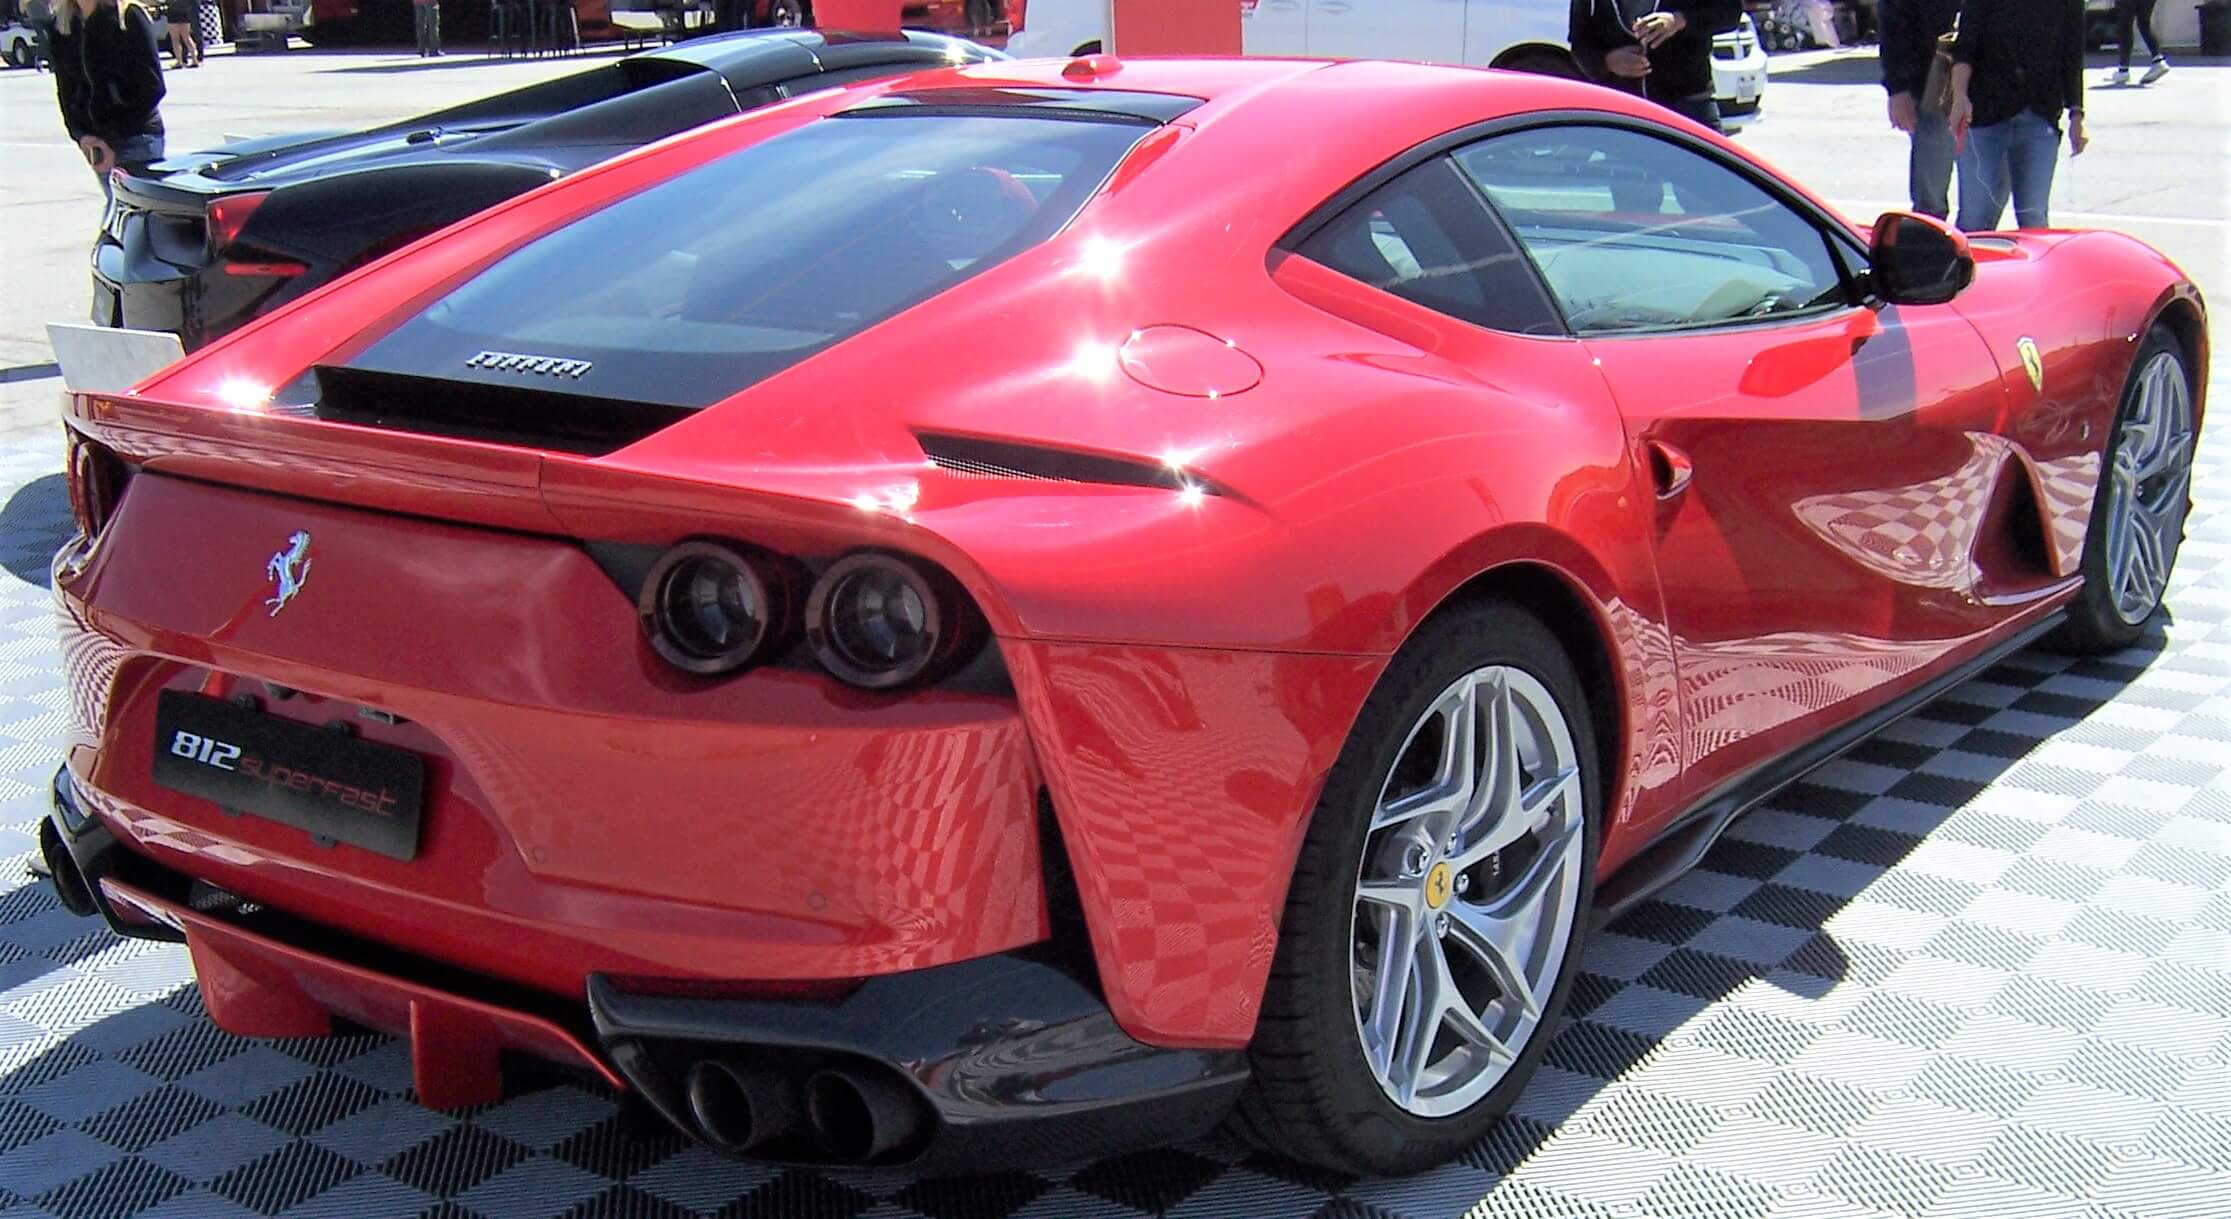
(1528, 35)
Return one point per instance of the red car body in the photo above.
(1890, 492)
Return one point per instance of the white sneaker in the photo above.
(2121, 76)
(2156, 72)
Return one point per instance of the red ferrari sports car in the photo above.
(1029, 609)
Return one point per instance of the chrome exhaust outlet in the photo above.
(857, 1117)
(737, 1109)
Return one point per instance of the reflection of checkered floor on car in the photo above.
(1981, 966)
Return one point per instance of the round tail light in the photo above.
(880, 621)
(712, 608)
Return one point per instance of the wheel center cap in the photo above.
(1437, 885)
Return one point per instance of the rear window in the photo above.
(702, 285)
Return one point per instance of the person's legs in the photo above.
(1983, 178)
(2126, 16)
(434, 27)
(2160, 68)
(2032, 154)
(1929, 167)
(1703, 109)
(419, 27)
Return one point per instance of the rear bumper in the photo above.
(1007, 1059)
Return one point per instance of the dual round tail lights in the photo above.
(876, 620)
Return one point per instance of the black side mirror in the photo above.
(1918, 261)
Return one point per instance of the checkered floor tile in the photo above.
(1981, 966)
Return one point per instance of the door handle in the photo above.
(1670, 470)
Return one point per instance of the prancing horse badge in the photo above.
(2032, 363)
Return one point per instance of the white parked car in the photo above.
(19, 45)
(1739, 69)
(1528, 35)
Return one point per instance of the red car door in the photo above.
(1824, 469)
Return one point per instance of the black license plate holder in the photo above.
(325, 782)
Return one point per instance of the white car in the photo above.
(1528, 35)
(19, 45)
(1739, 69)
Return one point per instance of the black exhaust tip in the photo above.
(738, 1109)
(62, 871)
(857, 1117)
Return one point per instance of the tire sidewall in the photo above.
(1385, 1135)
(2094, 621)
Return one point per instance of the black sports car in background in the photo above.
(198, 244)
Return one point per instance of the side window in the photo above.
(1638, 233)
(1426, 238)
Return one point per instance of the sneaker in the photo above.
(2156, 72)
(2120, 77)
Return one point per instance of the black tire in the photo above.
(1313, 1097)
(2094, 627)
(789, 13)
(20, 55)
(1544, 63)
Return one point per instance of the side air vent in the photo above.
(971, 457)
(526, 415)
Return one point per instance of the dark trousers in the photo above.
(1703, 109)
(426, 19)
(2139, 14)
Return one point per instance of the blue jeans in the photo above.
(1929, 169)
(138, 152)
(2014, 157)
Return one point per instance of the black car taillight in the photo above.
(96, 480)
(227, 217)
(712, 608)
(880, 621)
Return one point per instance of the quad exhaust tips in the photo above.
(738, 1109)
(857, 1117)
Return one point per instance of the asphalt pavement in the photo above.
(2157, 167)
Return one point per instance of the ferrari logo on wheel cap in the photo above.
(2032, 363)
(1437, 885)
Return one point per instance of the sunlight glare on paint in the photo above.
(242, 394)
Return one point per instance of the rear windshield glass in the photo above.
(702, 285)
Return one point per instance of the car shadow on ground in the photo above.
(1656, 959)
(39, 511)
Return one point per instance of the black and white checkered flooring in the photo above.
(1979, 967)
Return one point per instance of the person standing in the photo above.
(1656, 49)
(1910, 29)
(2017, 68)
(185, 48)
(2137, 16)
(109, 82)
(426, 18)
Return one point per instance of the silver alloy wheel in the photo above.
(2147, 486)
(1467, 892)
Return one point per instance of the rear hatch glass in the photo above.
(696, 288)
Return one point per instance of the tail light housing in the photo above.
(96, 479)
(883, 621)
(712, 608)
(874, 619)
(228, 215)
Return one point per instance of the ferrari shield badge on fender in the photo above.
(288, 571)
(2032, 363)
